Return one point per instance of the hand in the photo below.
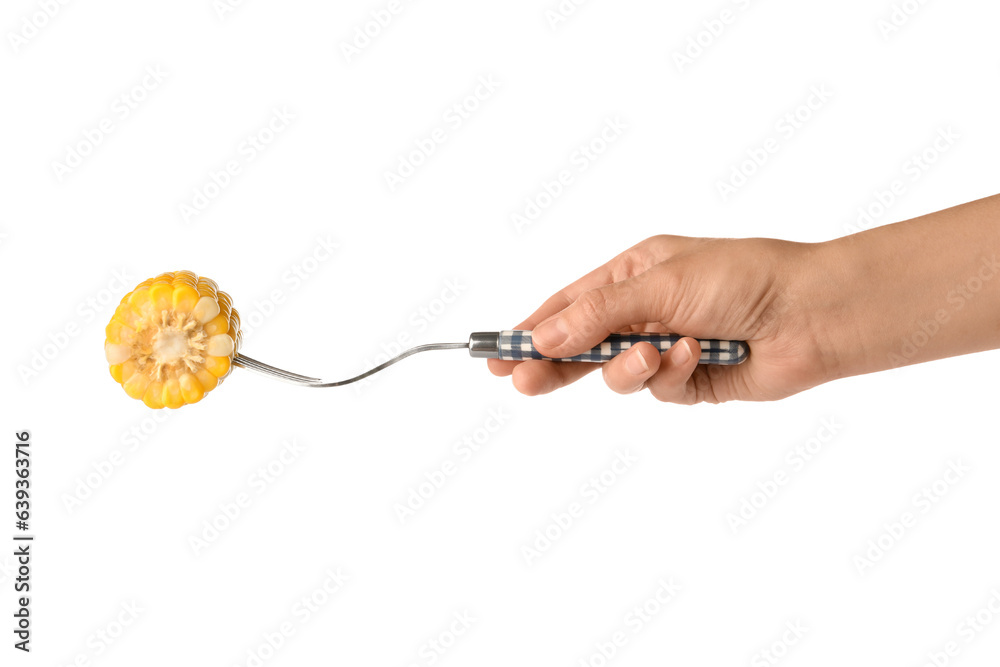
(755, 290)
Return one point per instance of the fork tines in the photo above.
(261, 367)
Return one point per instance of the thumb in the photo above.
(598, 312)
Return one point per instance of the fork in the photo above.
(517, 346)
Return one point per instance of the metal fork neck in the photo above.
(390, 362)
(484, 344)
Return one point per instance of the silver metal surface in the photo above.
(484, 344)
(302, 380)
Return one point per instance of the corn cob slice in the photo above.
(172, 339)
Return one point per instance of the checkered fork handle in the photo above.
(516, 346)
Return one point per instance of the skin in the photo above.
(900, 294)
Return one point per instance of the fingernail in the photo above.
(551, 333)
(635, 363)
(682, 354)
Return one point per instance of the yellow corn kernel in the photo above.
(217, 366)
(206, 310)
(161, 294)
(172, 339)
(136, 385)
(119, 332)
(191, 389)
(127, 370)
(184, 298)
(117, 353)
(172, 397)
(207, 381)
(217, 325)
(138, 299)
(154, 394)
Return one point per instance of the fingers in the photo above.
(628, 264)
(598, 312)
(627, 373)
(673, 381)
(633, 262)
(534, 376)
(501, 368)
(553, 305)
(672, 377)
(602, 275)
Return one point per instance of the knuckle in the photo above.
(657, 243)
(661, 246)
(643, 255)
(634, 261)
(667, 278)
(704, 387)
(663, 396)
(671, 391)
(592, 306)
(662, 392)
(616, 383)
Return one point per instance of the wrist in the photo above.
(845, 316)
(893, 295)
(822, 301)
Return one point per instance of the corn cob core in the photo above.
(172, 339)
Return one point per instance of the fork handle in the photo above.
(517, 346)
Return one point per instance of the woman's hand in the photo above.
(899, 294)
(757, 290)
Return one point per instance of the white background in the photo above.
(65, 235)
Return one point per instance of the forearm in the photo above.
(914, 291)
